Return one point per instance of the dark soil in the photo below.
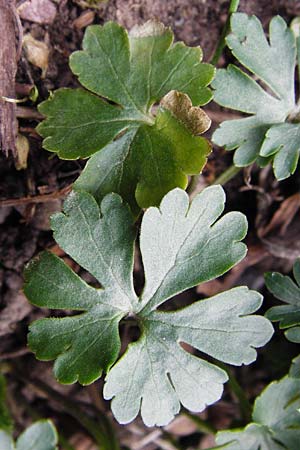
(25, 230)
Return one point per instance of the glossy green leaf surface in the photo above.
(270, 101)
(182, 245)
(139, 153)
(276, 421)
(39, 436)
(288, 291)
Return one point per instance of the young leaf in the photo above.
(39, 436)
(137, 154)
(276, 421)
(182, 245)
(267, 133)
(285, 289)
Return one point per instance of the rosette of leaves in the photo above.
(140, 151)
(181, 245)
(288, 315)
(276, 421)
(39, 436)
(272, 131)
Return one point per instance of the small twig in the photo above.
(44, 198)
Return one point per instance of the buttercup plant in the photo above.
(138, 118)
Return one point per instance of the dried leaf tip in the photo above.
(193, 117)
(147, 29)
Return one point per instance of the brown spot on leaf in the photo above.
(193, 117)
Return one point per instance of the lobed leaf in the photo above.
(270, 101)
(285, 289)
(276, 421)
(39, 436)
(160, 374)
(138, 154)
(182, 245)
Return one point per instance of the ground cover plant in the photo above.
(147, 297)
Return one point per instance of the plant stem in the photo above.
(202, 425)
(233, 6)
(226, 176)
(193, 184)
(245, 405)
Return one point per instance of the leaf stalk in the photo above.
(233, 7)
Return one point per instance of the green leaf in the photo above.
(39, 436)
(270, 101)
(182, 245)
(276, 420)
(139, 154)
(158, 367)
(85, 344)
(295, 368)
(286, 290)
(6, 423)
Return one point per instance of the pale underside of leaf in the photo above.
(276, 421)
(160, 374)
(182, 245)
(39, 436)
(6, 441)
(253, 437)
